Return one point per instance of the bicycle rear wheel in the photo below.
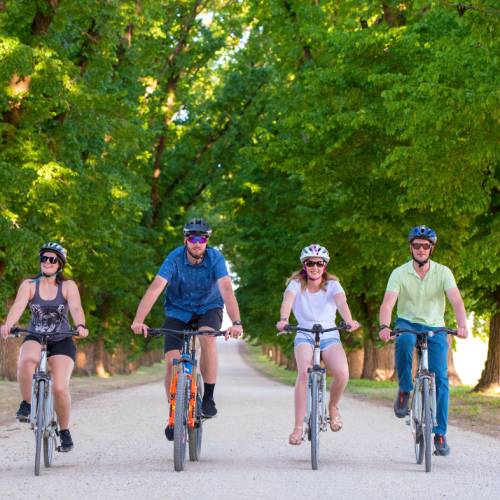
(427, 424)
(180, 422)
(39, 423)
(314, 422)
(49, 438)
(195, 434)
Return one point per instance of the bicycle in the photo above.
(422, 410)
(42, 418)
(316, 418)
(186, 396)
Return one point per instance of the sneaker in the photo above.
(169, 433)
(441, 445)
(208, 409)
(401, 404)
(23, 414)
(66, 441)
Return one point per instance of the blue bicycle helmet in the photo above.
(422, 232)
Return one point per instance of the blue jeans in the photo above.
(438, 363)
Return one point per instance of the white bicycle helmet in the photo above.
(314, 250)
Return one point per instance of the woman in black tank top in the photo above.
(49, 297)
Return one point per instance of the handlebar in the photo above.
(159, 332)
(317, 328)
(18, 332)
(429, 333)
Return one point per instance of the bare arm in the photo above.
(226, 290)
(285, 310)
(75, 308)
(146, 304)
(345, 312)
(457, 303)
(17, 308)
(385, 314)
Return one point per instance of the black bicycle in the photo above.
(422, 410)
(42, 417)
(316, 418)
(186, 395)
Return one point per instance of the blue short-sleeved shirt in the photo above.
(192, 289)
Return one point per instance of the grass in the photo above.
(469, 410)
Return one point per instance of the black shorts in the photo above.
(65, 346)
(173, 341)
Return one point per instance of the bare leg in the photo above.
(303, 356)
(29, 356)
(336, 362)
(61, 367)
(169, 361)
(209, 361)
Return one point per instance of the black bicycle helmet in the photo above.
(58, 249)
(198, 226)
(422, 232)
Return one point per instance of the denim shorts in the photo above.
(323, 345)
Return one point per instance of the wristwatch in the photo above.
(381, 327)
(237, 323)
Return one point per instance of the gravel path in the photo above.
(120, 451)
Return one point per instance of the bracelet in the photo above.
(284, 319)
(80, 325)
(237, 323)
(382, 327)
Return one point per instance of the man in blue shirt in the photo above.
(198, 287)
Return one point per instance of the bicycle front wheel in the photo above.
(416, 419)
(196, 433)
(180, 422)
(314, 422)
(49, 438)
(39, 424)
(427, 424)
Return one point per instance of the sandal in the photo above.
(296, 436)
(336, 421)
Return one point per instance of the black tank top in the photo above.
(49, 316)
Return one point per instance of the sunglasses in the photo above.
(196, 238)
(312, 263)
(418, 246)
(48, 258)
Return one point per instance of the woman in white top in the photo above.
(315, 295)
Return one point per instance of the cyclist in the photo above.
(49, 296)
(419, 287)
(315, 295)
(198, 287)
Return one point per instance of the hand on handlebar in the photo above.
(281, 324)
(139, 328)
(462, 332)
(5, 330)
(353, 325)
(235, 331)
(82, 331)
(385, 334)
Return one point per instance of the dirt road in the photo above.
(120, 451)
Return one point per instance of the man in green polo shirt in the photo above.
(419, 287)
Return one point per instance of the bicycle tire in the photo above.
(180, 422)
(427, 424)
(39, 424)
(49, 439)
(416, 419)
(314, 422)
(195, 435)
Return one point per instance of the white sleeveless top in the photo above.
(319, 307)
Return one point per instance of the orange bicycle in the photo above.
(186, 395)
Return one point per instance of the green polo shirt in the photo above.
(421, 300)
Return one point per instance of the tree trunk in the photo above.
(490, 378)
(453, 376)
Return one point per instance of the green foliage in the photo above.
(284, 122)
